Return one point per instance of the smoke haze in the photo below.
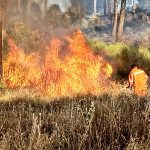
(63, 4)
(67, 13)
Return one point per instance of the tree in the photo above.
(1, 67)
(115, 20)
(28, 10)
(121, 20)
(54, 14)
(35, 14)
(95, 2)
(19, 7)
(3, 10)
(104, 7)
(109, 7)
(133, 6)
(45, 7)
(75, 13)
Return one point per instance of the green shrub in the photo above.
(122, 56)
(144, 60)
(110, 50)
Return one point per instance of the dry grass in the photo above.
(78, 123)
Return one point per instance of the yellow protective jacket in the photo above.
(138, 80)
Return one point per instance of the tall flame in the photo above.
(59, 74)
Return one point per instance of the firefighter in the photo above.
(138, 80)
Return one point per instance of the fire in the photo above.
(69, 68)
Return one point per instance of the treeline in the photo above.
(37, 13)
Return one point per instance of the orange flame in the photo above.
(77, 72)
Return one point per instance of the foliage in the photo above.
(54, 15)
(23, 36)
(75, 12)
(123, 56)
(110, 50)
(82, 122)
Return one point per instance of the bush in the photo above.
(23, 36)
(122, 56)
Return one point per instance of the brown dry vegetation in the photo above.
(88, 122)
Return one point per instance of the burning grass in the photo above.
(69, 67)
(81, 122)
(29, 121)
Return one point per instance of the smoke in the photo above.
(69, 13)
(63, 4)
(144, 4)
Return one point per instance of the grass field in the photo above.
(84, 122)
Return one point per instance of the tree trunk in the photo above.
(28, 11)
(133, 7)
(19, 8)
(95, 1)
(1, 66)
(78, 8)
(121, 20)
(45, 8)
(115, 19)
(3, 14)
(109, 7)
(104, 7)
